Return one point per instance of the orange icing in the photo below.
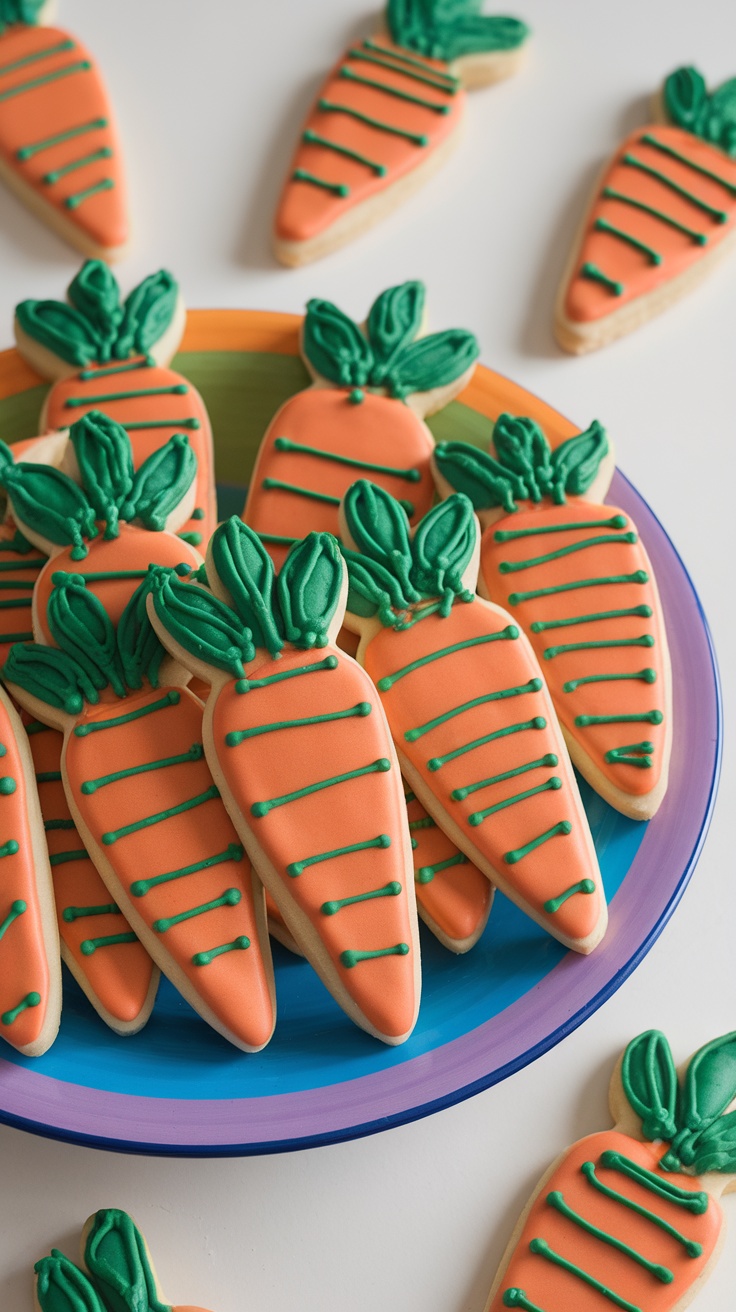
(379, 430)
(186, 406)
(587, 300)
(306, 210)
(120, 976)
(134, 549)
(458, 898)
(234, 985)
(273, 764)
(605, 698)
(54, 108)
(16, 586)
(440, 686)
(552, 1288)
(24, 964)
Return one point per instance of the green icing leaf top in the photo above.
(525, 467)
(710, 1083)
(390, 573)
(96, 327)
(105, 461)
(115, 1254)
(81, 627)
(7, 459)
(649, 1080)
(202, 624)
(161, 483)
(715, 1148)
(62, 1287)
(386, 356)
(49, 675)
(139, 647)
(450, 29)
(19, 11)
(710, 117)
(246, 571)
(51, 505)
(309, 588)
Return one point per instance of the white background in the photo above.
(210, 97)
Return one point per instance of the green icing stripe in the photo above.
(369, 58)
(16, 584)
(296, 867)
(115, 834)
(103, 575)
(70, 914)
(232, 853)
(63, 858)
(337, 188)
(561, 829)
(388, 890)
(247, 685)
(692, 1248)
(314, 139)
(51, 825)
(425, 874)
(692, 1201)
(426, 822)
(35, 726)
(646, 640)
(557, 1201)
(285, 444)
(539, 626)
(161, 423)
(240, 735)
(594, 274)
(92, 945)
(538, 722)
(10, 848)
(638, 576)
(376, 767)
(7, 565)
(56, 174)
(604, 226)
(542, 1248)
(194, 539)
(180, 389)
(30, 1000)
(602, 540)
(648, 140)
(554, 903)
(277, 485)
(401, 58)
(60, 48)
(435, 106)
(48, 777)
(18, 603)
(645, 717)
(637, 754)
(79, 197)
(171, 698)
(16, 909)
(720, 216)
(542, 762)
(195, 753)
(329, 107)
(351, 957)
(645, 676)
(533, 685)
(410, 797)
(142, 362)
(83, 66)
(510, 632)
(550, 785)
(699, 237)
(24, 635)
(517, 1298)
(277, 539)
(204, 958)
(27, 152)
(230, 898)
(511, 535)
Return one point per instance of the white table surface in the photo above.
(210, 99)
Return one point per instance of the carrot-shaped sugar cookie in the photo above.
(105, 353)
(300, 750)
(59, 148)
(663, 214)
(111, 528)
(116, 1272)
(363, 415)
(473, 723)
(386, 117)
(30, 973)
(164, 845)
(631, 1217)
(577, 579)
(120, 982)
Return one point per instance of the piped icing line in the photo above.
(649, 139)
(58, 139)
(700, 238)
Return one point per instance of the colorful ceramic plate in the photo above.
(177, 1088)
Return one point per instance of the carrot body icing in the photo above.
(452, 894)
(19, 570)
(57, 131)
